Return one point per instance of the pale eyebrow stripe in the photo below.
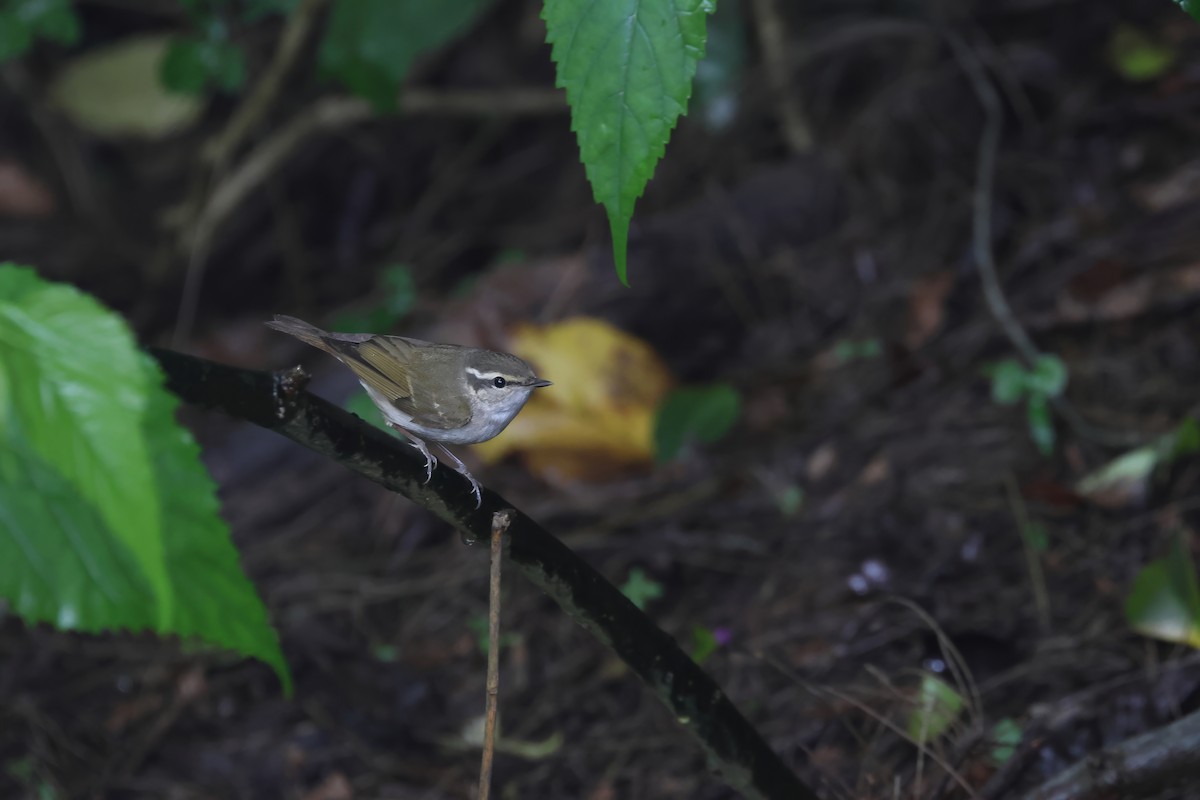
(485, 376)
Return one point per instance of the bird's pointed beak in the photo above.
(539, 383)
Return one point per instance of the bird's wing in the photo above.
(385, 363)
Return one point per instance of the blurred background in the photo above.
(882, 531)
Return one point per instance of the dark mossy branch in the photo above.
(278, 402)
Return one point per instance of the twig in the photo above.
(277, 402)
(981, 243)
(197, 238)
(1138, 767)
(500, 522)
(985, 178)
(1037, 578)
(776, 59)
(825, 692)
(336, 113)
(251, 111)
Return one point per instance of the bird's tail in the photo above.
(309, 334)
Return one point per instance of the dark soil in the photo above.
(750, 264)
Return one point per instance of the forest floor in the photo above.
(876, 517)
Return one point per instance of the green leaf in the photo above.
(361, 405)
(1186, 439)
(216, 602)
(85, 421)
(370, 44)
(1008, 381)
(1137, 57)
(627, 66)
(640, 588)
(1048, 376)
(790, 500)
(53, 19)
(937, 706)
(22, 20)
(183, 68)
(1038, 538)
(1006, 735)
(117, 90)
(479, 624)
(1041, 425)
(1165, 600)
(400, 291)
(1181, 572)
(58, 560)
(847, 350)
(705, 413)
(16, 37)
(1128, 475)
(108, 519)
(191, 64)
(1192, 7)
(704, 643)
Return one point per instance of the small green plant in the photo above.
(1136, 56)
(640, 588)
(1013, 382)
(849, 350)
(479, 626)
(22, 22)
(24, 772)
(1006, 735)
(1035, 534)
(371, 44)
(395, 297)
(937, 705)
(703, 413)
(1165, 600)
(790, 499)
(706, 641)
(1129, 474)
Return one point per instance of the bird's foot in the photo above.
(430, 460)
(461, 469)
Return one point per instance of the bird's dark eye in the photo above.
(499, 383)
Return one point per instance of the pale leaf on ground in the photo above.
(116, 91)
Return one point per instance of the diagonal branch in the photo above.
(1139, 767)
(277, 402)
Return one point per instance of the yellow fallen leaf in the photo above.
(597, 420)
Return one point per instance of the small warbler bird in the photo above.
(443, 393)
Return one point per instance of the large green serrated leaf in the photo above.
(108, 519)
(627, 66)
(58, 561)
(73, 389)
(214, 599)
(370, 44)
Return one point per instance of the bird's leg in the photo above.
(415, 441)
(461, 468)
